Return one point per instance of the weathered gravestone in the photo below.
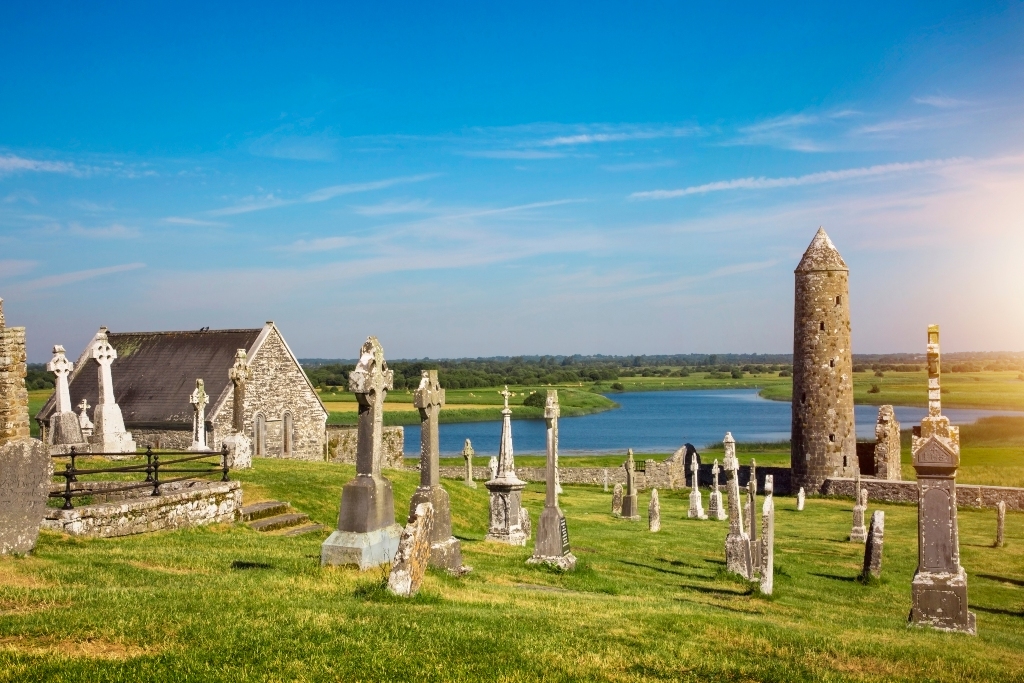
(752, 511)
(25, 469)
(873, 547)
(507, 515)
(630, 506)
(492, 466)
(800, 499)
(715, 508)
(552, 546)
(467, 455)
(239, 445)
(859, 533)
(887, 445)
(367, 535)
(654, 512)
(413, 555)
(1000, 523)
(109, 435)
(737, 542)
(939, 588)
(606, 480)
(445, 550)
(696, 510)
(199, 400)
(617, 500)
(768, 538)
(65, 427)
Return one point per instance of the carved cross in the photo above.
(630, 469)
(506, 394)
(551, 413)
(240, 374)
(428, 399)
(61, 367)
(467, 450)
(693, 469)
(714, 473)
(370, 382)
(104, 354)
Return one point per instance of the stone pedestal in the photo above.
(506, 489)
(239, 451)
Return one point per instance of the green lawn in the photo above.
(229, 604)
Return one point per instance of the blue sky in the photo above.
(461, 179)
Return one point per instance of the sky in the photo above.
(474, 179)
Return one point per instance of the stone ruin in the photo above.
(887, 445)
(467, 455)
(109, 434)
(738, 559)
(716, 510)
(654, 513)
(939, 587)
(696, 510)
(367, 535)
(630, 506)
(65, 430)
(552, 547)
(509, 520)
(414, 552)
(873, 547)
(445, 549)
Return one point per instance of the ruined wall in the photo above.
(168, 439)
(823, 430)
(13, 394)
(341, 445)
(967, 495)
(887, 445)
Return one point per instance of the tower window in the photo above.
(839, 301)
(821, 326)
(832, 438)
(803, 397)
(846, 462)
(832, 363)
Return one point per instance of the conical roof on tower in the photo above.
(821, 254)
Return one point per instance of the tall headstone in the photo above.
(630, 506)
(109, 435)
(617, 500)
(199, 400)
(859, 532)
(507, 512)
(696, 510)
(467, 455)
(83, 418)
(492, 466)
(65, 429)
(887, 445)
(238, 443)
(753, 474)
(445, 550)
(800, 499)
(654, 512)
(753, 529)
(873, 547)
(367, 535)
(413, 555)
(552, 545)
(768, 537)
(715, 508)
(939, 588)
(1000, 523)
(737, 543)
(823, 439)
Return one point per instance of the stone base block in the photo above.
(66, 431)
(112, 443)
(715, 509)
(940, 601)
(447, 555)
(366, 549)
(564, 562)
(859, 535)
(737, 555)
(239, 451)
(630, 508)
(470, 484)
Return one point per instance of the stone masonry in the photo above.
(823, 435)
(341, 440)
(13, 394)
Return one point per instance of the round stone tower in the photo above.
(823, 439)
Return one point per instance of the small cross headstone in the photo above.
(1000, 523)
(467, 455)
(83, 418)
(715, 508)
(630, 507)
(238, 444)
(873, 546)
(696, 510)
(199, 400)
(859, 533)
(654, 512)
(109, 435)
(65, 428)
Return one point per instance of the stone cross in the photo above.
(61, 367)
(104, 354)
(737, 542)
(714, 473)
(109, 436)
(370, 382)
(199, 400)
(551, 413)
(630, 508)
(696, 510)
(83, 418)
(429, 399)
(859, 533)
(768, 538)
(467, 454)
(606, 480)
(552, 545)
(753, 473)
(873, 546)
(715, 508)
(509, 520)
(1000, 523)
(240, 374)
(506, 459)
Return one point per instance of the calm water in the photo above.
(661, 421)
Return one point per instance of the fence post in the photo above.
(224, 460)
(68, 474)
(74, 454)
(149, 462)
(156, 474)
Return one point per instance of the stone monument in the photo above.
(768, 538)
(696, 510)
(887, 445)
(939, 588)
(800, 499)
(753, 474)
(199, 400)
(737, 542)
(1000, 523)
(507, 512)
(873, 547)
(630, 507)
(715, 508)
(239, 445)
(552, 545)
(859, 533)
(445, 550)
(823, 439)
(109, 435)
(467, 455)
(606, 480)
(83, 418)
(492, 466)
(752, 530)
(654, 512)
(65, 428)
(617, 500)
(367, 535)
(414, 553)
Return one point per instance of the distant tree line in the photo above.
(38, 377)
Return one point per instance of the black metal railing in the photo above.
(156, 465)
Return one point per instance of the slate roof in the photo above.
(821, 254)
(155, 372)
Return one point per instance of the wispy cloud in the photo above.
(11, 163)
(525, 154)
(590, 138)
(762, 183)
(21, 196)
(392, 208)
(112, 231)
(321, 244)
(785, 132)
(15, 267)
(940, 102)
(637, 166)
(51, 281)
(270, 201)
(181, 220)
(312, 147)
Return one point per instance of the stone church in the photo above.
(155, 373)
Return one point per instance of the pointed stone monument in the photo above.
(367, 535)
(800, 499)
(873, 547)
(65, 429)
(654, 513)
(445, 550)
(617, 500)
(507, 512)
(630, 507)
(768, 537)
(109, 435)
(467, 455)
(696, 510)
(859, 532)
(939, 588)
(239, 445)
(199, 400)
(715, 508)
(737, 542)
(552, 546)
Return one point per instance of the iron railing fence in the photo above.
(157, 464)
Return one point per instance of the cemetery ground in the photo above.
(226, 603)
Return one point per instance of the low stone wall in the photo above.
(341, 445)
(168, 439)
(181, 505)
(967, 495)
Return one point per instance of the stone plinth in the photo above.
(239, 451)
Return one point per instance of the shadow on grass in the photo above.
(243, 564)
(1001, 579)
(677, 563)
(662, 570)
(717, 591)
(997, 610)
(835, 577)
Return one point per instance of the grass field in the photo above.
(230, 604)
